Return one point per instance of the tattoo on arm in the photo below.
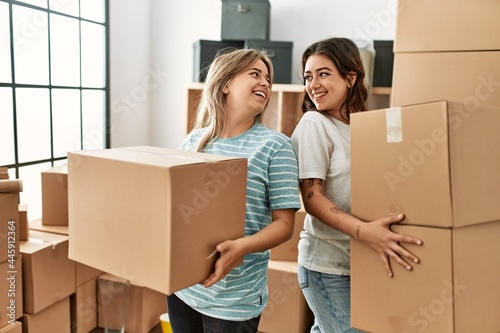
(336, 210)
(310, 195)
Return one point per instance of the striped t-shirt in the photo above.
(272, 184)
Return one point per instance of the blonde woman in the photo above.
(236, 92)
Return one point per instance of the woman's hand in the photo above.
(378, 235)
(231, 253)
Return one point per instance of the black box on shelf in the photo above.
(245, 19)
(280, 53)
(384, 63)
(204, 52)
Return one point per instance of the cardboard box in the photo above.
(55, 318)
(11, 289)
(85, 274)
(153, 216)
(53, 229)
(289, 250)
(9, 226)
(144, 306)
(453, 290)
(83, 308)
(286, 310)
(472, 78)
(23, 222)
(55, 196)
(436, 162)
(48, 274)
(447, 25)
(15, 327)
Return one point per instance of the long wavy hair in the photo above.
(212, 112)
(344, 53)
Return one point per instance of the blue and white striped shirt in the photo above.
(272, 184)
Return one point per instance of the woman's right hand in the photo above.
(378, 235)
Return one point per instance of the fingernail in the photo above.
(419, 242)
(416, 260)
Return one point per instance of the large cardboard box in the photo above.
(286, 309)
(143, 311)
(289, 250)
(9, 226)
(11, 289)
(48, 273)
(436, 162)
(447, 25)
(472, 78)
(83, 308)
(154, 215)
(453, 290)
(56, 318)
(55, 196)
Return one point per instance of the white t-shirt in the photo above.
(322, 145)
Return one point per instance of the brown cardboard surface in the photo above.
(83, 307)
(286, 309)
(11, 291)
(472, 78)
(15, 327)
(144, 306)
(447, 25)
(453, 290)
(443, 172)
(289, 250)
(153, 215)
(9, 226)
(55, 318)
(23, 222)
(55, 196)
(48, 274)
(85, 274)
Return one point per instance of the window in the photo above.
(54, 94)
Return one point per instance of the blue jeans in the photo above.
(184, 319)
(329, 298)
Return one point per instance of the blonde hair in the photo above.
(212, 112)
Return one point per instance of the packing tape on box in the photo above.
(394, 125)
(189, 158)
(41, 241)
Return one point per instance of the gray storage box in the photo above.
(384, 63)
(245, 19)
(204, 52)
(280, 54)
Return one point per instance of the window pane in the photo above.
(92, 10)
(66, 121)
(6, 127)
(5, 73)
(93, 110)
(93, 55)
(39, 3)
(69, 7)
(33, 124)
(32, 189)
(30, 45)
(64, 51)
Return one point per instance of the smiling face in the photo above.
(247, 94)
(325, 86)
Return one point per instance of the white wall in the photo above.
(152, 53)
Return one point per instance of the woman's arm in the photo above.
(376, 234)
(278, 231)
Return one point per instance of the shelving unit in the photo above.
(284, 109)
(281, 114)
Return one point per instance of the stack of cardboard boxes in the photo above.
(11, 299)
(433, 156)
